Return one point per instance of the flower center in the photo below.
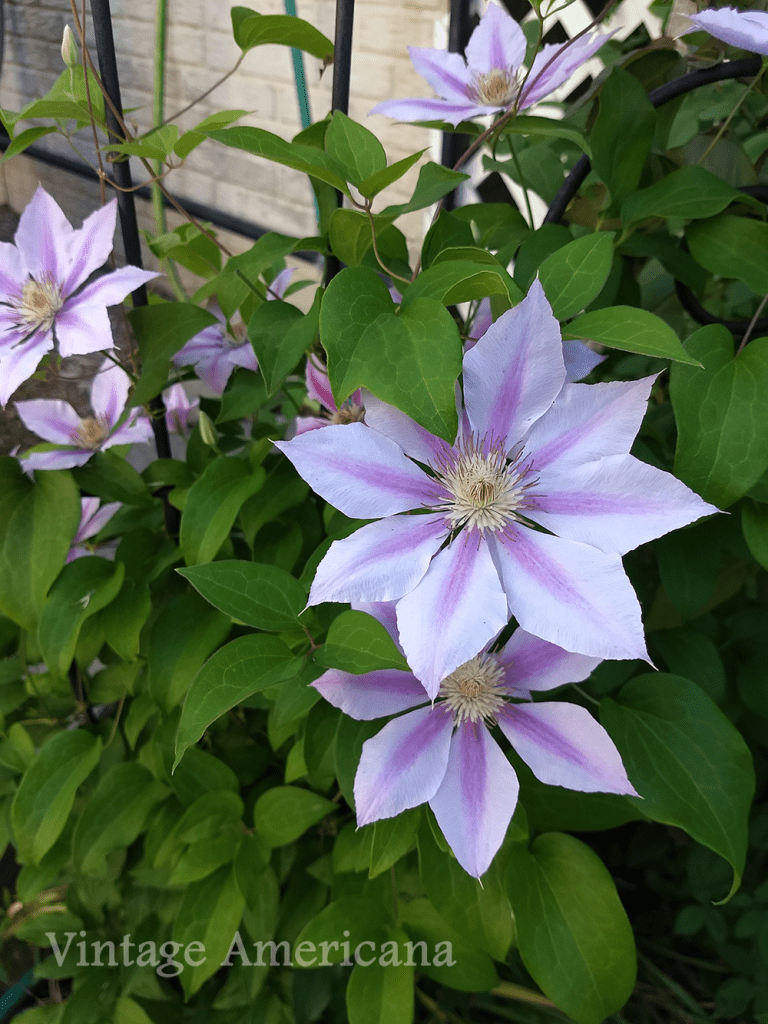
(39, 303)
(475, 690)
(237, 338)
(497, 87)
(348, 413)
(91, 433)
(488, 491)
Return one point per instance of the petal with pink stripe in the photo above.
(497, 42)
(534, 664)
(372, 695)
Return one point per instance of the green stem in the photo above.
(523, 185)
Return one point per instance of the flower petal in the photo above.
(476, 799)
(318, 385)
(384, 612)
(564, 746)
(589, 421)
(81, 329)
(244, 356)
(304, 423)
(136, 430)
(446, 73)
(65, 459)
(533, 664)
(109, 391)
(572, 56)
(13, 274)
(110, 289)
(360, 472)
(94, 518)
(373, 694)
(515, 371)
(380, 561)
(497, 42)
(415, 441)
(579, 359)
(90, 246)
(616, 504)
(746, 29)
(43, 236)
(17, 364)
(403, 765)
(570, 594)
(54, 421)
(456, 609)
(280, 282)
(430, 110)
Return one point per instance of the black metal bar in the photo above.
(454, 145)
(126, 205)
(342, 71)
(748, 67)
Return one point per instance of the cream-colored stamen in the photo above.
(488, 492)
(39, 303)
(497, 87)
(348, 413)
(475, 690)
(91, 433)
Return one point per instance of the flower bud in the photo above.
(70, 52)
(207, 430)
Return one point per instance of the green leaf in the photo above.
(114, 815)
(546, 128)
(721, 409)
(410, 360)
(392, 839)
(686, 760)
(47, 791)
(157, 144)
(732, 247)
(574, 275)
(281, 334)
(572, 931)
(109, 476)
(124, 618)
(20, 142)
(690, 192)
(355, 149)
(350, 235)
(283, 813)
(37, 524)
(358, 643)
(452, 959)
(84, 587)
(184, 634)
(754, 523)
(209, 915)
(188, 246)
(242, 668)
(310, 161)
(212, 504)
(262, 596)
(630, 330)
(253, 29)
(233, 286)
(377, 182)
(622, 134)
(162, 329)
(362, 916)
(191, 139)
(455, 280)
(381, 993)
(435, 181)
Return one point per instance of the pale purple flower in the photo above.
(178, 409)
(580, 360)
(217, 350)
(493, 77)
(746, 29)
(92, 521)
(80, 439)
(443, 753)
(319, 390)
(532, 452)
(42, 302)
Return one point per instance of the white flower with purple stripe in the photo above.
(80, 439)
(42, 302)
(319, 390)
(93, 519)
(443, 753)
(527, 514)
(493, 77)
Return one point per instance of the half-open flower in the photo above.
(93, 518)
(444, 754)
(42, 301)
(493, 76)
(526, 514)
(79, 439)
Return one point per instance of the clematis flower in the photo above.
(746, 29)
(443, 753)
(527, 514)
(580, 360)
(319, 390)
(42, 302)
(216, 351)
(178, 409)
(80, 439)
(493, 77)
(92, 521)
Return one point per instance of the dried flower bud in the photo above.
(70, 52)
